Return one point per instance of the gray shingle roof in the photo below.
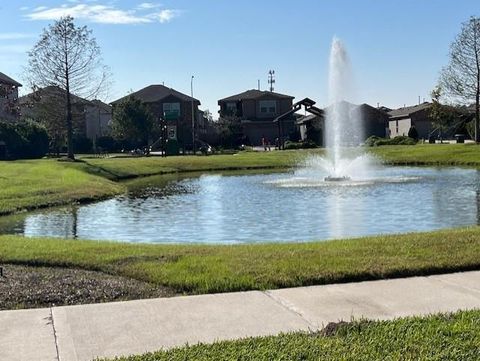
(406, 111)
(52, 91)
(4, 79)
(254, 94)
(154, 93)
(105, 107)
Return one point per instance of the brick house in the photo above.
(8, 98)
(257, 109)
(403, 118)
(174, 107)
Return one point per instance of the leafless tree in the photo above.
(68, 57)
(461, 77)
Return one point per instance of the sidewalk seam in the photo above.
(290, 308)
(54, 334)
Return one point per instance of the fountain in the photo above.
(343, 123)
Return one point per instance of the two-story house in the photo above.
(257, 109)
(175, 108)
(402, 119)
(91, 119)
(8, 98)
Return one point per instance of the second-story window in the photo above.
(231, 108)
(171, 110)
(268, 106)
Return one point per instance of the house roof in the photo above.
(105, 107)
(51, 91)
(5, 79)
(254, 94)
(154, 93)
(407, 111)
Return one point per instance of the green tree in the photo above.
(461, 78)
(442, 116)
(132, 121)
(68, 57)
(413, 133)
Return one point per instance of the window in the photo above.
(231, 108)
(268, 107)
(171, 111)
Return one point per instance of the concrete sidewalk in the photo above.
(84, 332)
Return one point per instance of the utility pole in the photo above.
(271, 79)
(193, 117)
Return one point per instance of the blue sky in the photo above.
(397, 48)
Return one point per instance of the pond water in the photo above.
(226, 208)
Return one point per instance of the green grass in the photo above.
(430, 154)
(29, 184)
(128, 167)
(437, 337)
(197, 269)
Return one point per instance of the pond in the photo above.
(231, 208)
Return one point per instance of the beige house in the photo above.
(402, 119)
(98, 119)
(91, 119)
(257, 109)
(9, 109)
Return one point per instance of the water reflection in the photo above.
(254, 208)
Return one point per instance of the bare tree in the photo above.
(461, 78)
(68, 57)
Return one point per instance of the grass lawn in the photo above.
(128, 167)
(28, 184)
(438, 337)
(196, 269)
(429, 154)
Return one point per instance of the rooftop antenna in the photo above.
(271, 79)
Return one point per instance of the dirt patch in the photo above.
(31, 287)
(332, 328)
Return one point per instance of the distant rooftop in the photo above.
(254, 94)
(5, 79)
(406, 111)
(51, 91)
(154, 93)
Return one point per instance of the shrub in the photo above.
(82, 144)
(108, 143)
(36, 138)
(300, 145)
(413, 133)
(375, 141)
(371, 141)
(24, 140)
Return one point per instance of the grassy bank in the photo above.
(130, 167)
(438, 337)
(29, 184)
(199, 269)
(429, 154)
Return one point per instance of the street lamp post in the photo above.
(193, 117)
